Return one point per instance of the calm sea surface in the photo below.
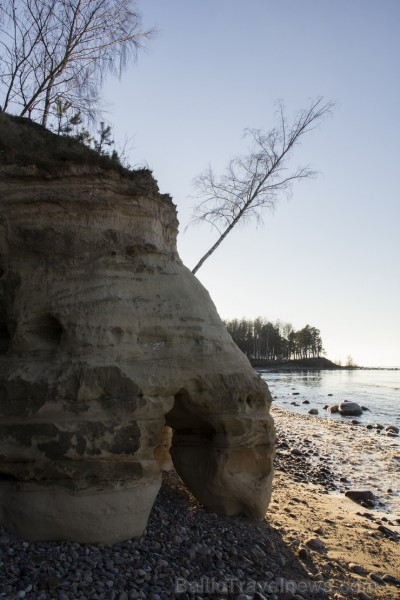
(378, 390)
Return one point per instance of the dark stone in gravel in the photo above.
(316, 544)
(387, 578)
(363, 596)
(388, 532)
(377, 578)
(303, 553)
(358, 569)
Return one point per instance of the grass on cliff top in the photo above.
(23, 143)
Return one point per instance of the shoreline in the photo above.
(309, 364)
(320, 393)
(339, 457)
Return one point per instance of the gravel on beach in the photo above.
(185, 549)
(306, 548)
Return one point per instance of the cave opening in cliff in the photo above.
(46, 330)
(185, 431)
(188, 426)
(187, 442)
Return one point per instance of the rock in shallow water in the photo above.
(106, 337)
(349, 409)
(364, 497)
(392, 429)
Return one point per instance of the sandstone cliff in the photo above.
(105, 337)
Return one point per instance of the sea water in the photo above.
(368, 458)
(376, 389)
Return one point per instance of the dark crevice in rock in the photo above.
(7, 477)
(118, 334)
(47, 329)
(4, 338)
(254, 401)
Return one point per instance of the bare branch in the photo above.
(255, 181)
(64, 46)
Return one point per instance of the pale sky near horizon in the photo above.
(330, 256)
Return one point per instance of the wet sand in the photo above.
(308, 500)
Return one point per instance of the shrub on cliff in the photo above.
(23, 143)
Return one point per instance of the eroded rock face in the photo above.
(105, 337)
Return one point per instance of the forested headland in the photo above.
(262, 339)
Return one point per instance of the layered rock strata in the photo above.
(105, 338)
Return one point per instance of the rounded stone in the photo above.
(348, 408)
(316, 544)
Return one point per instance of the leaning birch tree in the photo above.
(54, 51)
(255, 182)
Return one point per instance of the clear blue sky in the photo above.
(330, 256)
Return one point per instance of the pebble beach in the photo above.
(339, 456)
(315, 543)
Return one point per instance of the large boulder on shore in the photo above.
(105, 339)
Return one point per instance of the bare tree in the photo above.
(255, 181)
(60, 50)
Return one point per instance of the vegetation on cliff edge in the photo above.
(24, 143)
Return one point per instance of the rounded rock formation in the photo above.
(105, 339)
(349, 409)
